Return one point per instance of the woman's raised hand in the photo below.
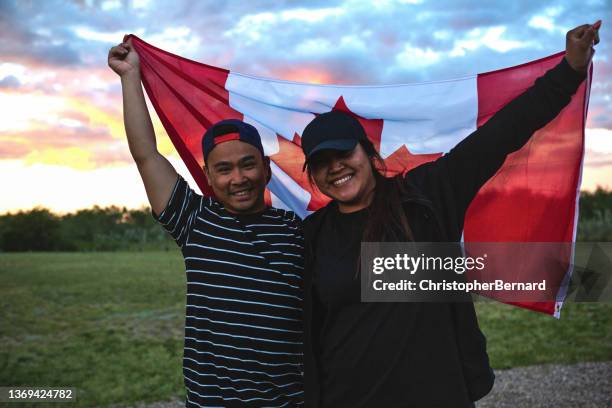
(579, 44)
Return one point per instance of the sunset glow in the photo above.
(62, 141)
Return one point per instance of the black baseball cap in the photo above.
(230, 129)
(334, 130)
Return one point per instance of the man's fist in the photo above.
(579, 44)
(123, 58)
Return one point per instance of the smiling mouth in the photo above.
(241, 193)
(342, 180)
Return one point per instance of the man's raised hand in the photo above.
(123, 59)
(579, 44)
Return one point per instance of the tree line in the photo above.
(93, 229)
(114, 228)
(595, 224)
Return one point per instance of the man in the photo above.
(244, 260)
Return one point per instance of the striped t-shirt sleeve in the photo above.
(181, 210)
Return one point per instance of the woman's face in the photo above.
(345, 176)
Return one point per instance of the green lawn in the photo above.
(110, 324)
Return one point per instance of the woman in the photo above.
(406, 354)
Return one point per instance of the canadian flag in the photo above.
(532, 198)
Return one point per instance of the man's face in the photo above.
(238, 175)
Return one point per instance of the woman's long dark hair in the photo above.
(386, 220)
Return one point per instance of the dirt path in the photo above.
(587, 385)
(559, 386)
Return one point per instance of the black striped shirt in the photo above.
(243, 325)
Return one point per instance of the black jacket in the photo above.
(436, 199)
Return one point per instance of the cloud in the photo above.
(69, 143)
(448, 38)
(177, 39)
(86, 33)
(492, 38)
(10, 82)
(10, 149)
(392, 40)
(599, 140)
(55, 81)
(252, 27)
(23, 42)
(596, 159)
(417, 58)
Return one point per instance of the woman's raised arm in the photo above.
(478, 157)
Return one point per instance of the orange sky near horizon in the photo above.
(67, 150)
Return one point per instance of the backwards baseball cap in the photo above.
(230, 129)
(335, 130)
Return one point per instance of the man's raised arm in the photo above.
(157, 173)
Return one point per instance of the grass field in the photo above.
(110, 324)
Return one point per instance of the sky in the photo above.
(62, 143)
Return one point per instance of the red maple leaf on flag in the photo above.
(290, 158)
